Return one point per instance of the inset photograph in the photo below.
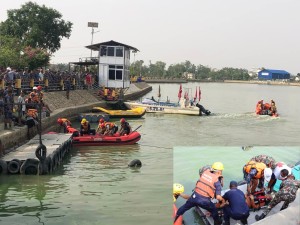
(236, 185)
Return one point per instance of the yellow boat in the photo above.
(129, 113)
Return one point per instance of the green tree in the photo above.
(136, 68)
(36, 26)
(157, 69)
(176, 70)
(10, 50)
(202, 72)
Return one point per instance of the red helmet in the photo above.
(101, 120)
(122, 120)
(59, 120)
(39, 88)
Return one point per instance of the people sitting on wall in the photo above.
(85, 128)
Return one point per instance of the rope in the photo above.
(154, 146)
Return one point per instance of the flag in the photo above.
(199, 93)
(180, 92)
(159, 95)
(196, 94)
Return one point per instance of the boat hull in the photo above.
(100, 140)
(194, 111)
(132, 113)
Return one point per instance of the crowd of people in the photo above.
(47, 77)
(104, 127)
(268, 184)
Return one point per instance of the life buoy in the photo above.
(13, 166)
(3, 167)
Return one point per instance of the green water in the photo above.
(188, 160)
(95, 186)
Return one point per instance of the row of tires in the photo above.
(92, 118)
(33, 166)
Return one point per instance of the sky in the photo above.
(246, 34)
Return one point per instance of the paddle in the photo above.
(137, 128)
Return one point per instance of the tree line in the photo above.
(31, 34)
(160, 70)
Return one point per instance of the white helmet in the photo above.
(268, 174)
(34, 88)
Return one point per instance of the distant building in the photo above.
(114, 63)
(268, 74)
(189, 76)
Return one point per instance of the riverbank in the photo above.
(80, 101)
(267, 82)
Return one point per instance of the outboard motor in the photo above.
(203, 110)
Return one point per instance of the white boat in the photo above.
(270, 219)
(183, 107)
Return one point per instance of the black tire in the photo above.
(13, 166)
(30, 167)
(3, 167)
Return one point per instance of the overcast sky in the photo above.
(215, 33)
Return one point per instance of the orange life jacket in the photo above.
(34, 96)
(267, 106)
(32, 113)
(110, 124)
(205, 185)
(259, 166)
(65, 120)
(258, 108)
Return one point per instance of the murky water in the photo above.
(188, 161)
(95, 186)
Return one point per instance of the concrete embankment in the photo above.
(80, 101)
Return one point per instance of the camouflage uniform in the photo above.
(268, 160)
(287, 193)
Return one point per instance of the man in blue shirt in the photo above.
(236, 206)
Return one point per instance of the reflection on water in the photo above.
(94, 184)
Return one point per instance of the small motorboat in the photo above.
(101, 140)
(128, 113)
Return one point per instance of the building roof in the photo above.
(276, 71)
(96, 47)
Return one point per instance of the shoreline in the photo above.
(268, 82)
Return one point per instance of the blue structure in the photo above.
(267, 74)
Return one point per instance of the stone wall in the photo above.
(80, 101)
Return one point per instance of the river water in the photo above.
(95, 186)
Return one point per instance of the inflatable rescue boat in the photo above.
(101, 140)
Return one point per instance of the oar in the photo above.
(137, 128)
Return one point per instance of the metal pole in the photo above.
(92, 41)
